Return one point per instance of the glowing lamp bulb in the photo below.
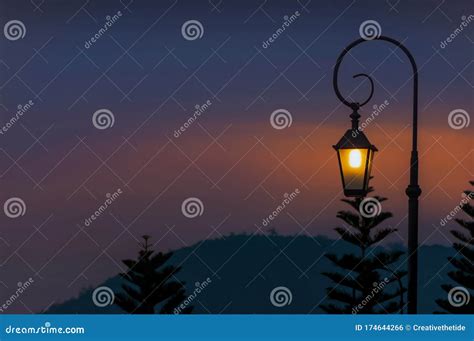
(355, 158)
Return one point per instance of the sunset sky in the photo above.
(151, 78)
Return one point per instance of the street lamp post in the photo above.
(354, 144)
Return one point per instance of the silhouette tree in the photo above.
(462, 298)
(149, 285)
(361, 285)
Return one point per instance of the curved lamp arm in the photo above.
(357, 105)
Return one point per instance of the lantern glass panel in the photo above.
(355, 164)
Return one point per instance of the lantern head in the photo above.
(355, 154)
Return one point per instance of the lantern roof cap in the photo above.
(354, 139)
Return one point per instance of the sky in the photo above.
(150, 76)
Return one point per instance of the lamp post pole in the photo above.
(413, 190)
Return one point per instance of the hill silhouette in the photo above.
(244, 269)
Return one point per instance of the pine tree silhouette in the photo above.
(463, 263)
(362, 285)
(149, 284)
